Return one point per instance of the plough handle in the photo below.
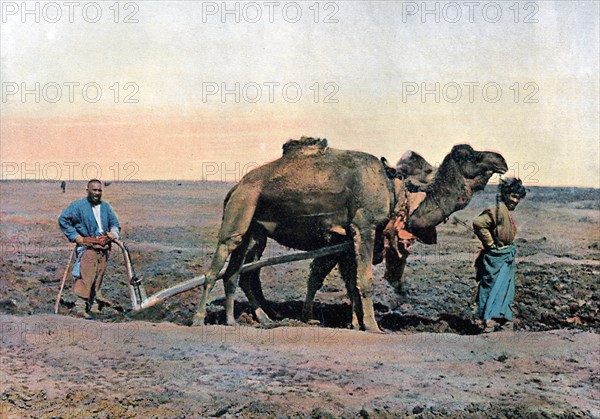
(135, 287)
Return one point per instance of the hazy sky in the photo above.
(136, 91)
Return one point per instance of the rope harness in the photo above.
(395, 236)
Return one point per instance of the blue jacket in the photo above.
(78, 219)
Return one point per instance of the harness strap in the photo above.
(395, 235)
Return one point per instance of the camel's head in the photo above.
(416, 172)
(463, 172)
(476, 167)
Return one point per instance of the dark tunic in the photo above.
(495, 265)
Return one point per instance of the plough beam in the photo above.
(140, 304)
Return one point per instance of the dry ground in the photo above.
(429, 363)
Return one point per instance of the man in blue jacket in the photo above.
(91, 223)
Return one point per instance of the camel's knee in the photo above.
(224, 248)
(232, 242)
(210, 280)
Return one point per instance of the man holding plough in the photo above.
(92, 224)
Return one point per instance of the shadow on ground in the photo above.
(340, 316)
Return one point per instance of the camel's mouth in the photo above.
(495, 163)
(479, 182)
(491, 171)
(500, 167)
(499, 170)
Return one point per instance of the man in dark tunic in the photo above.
(495, 265)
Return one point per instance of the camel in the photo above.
(315, 196)
(417, 173)
(436, 195)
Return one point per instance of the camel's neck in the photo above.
(447, 194)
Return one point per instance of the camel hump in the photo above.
(305, 145)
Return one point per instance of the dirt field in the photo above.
(431, 362)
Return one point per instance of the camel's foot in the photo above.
(376, 329)
(262, 317)
(198, 320)
(371, 326)
(400, 289)
(402, 293)
(307, 317)
(355, 322)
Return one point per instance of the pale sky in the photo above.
(361, 67)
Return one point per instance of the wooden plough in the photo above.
(140, 301)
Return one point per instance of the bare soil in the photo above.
(431, 362)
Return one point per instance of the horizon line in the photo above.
(537, 185)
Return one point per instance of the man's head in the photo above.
(94, 191)
(511, 192)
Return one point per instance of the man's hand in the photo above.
(111, 235)
(79, 240)
(96, 242)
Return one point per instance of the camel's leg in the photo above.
(363, 244)
(250, 281)
(219, 258)
(233, 268)
(230, 279)
(263, 305)
(236, 222)
(254, 284)
(378, 249)
(319, 269)
(394, 270)
(347, 267)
